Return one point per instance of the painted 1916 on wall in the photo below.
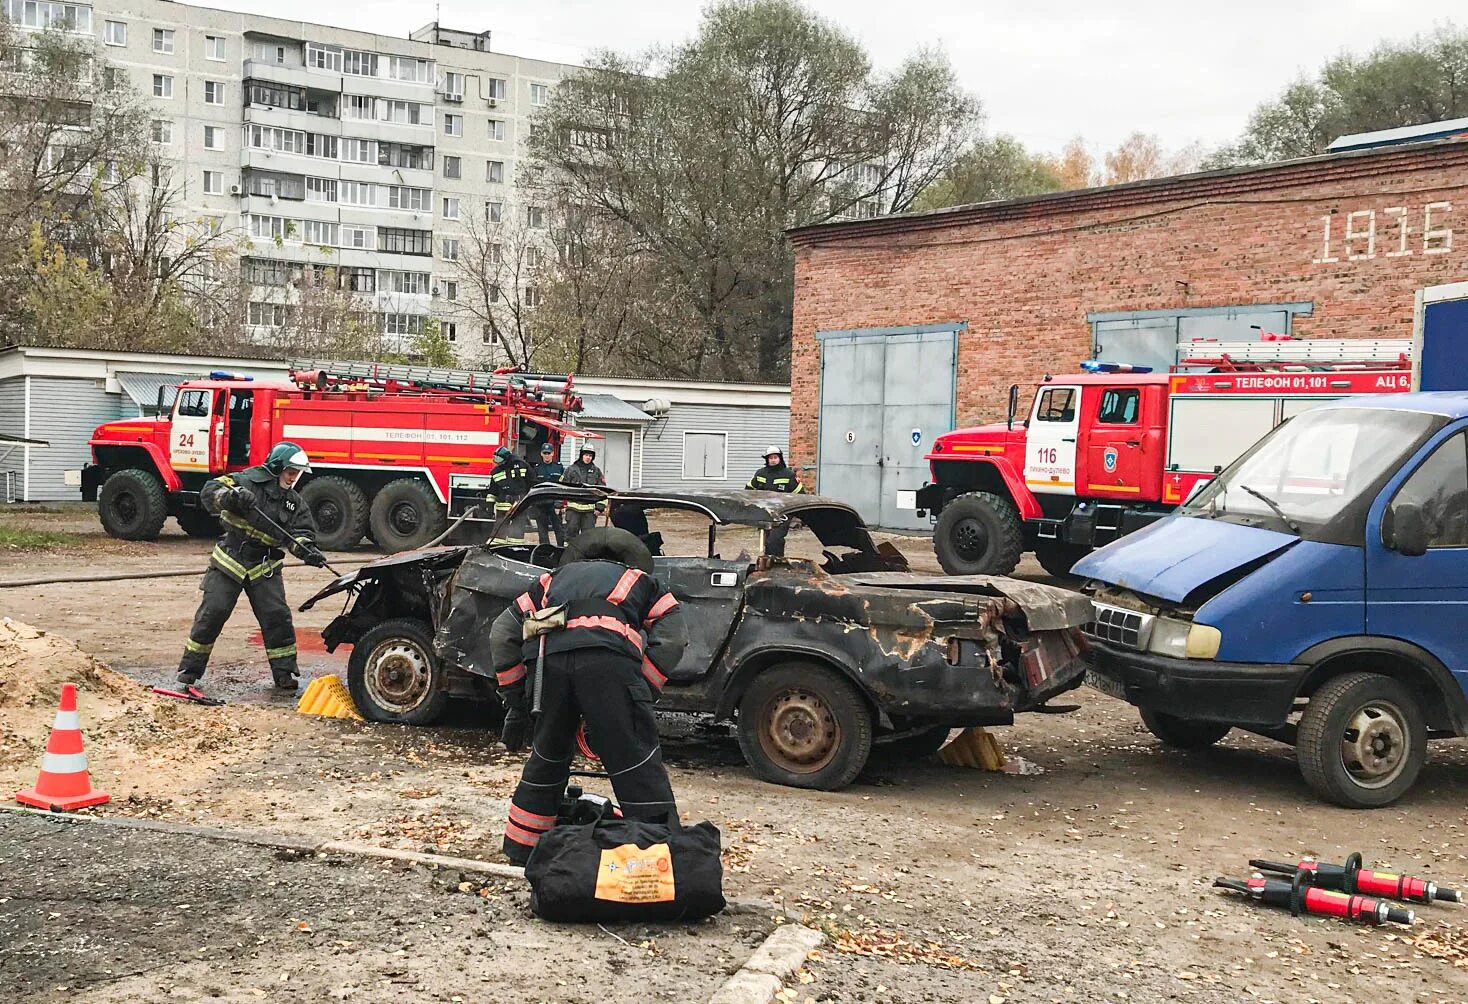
(1391, 232)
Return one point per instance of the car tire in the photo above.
(919, 745)
(1362, 740)
(805, 726)
(1057, 558)
(198, 523)
(133, 505)
(340, 510)
(406, 515)
(979, 534)
(1183, 733)
(395, 676)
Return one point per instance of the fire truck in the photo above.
(1108, 451)
(396, 451)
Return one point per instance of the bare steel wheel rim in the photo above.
(403, 517)
(799, 732)
(398, 675)
(1375, 745)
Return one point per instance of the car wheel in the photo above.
(805, 726)
(1058, 558)
(919, 745)
(394, 674)
(1183, 733)
(340, 510)
(979, 534)
(1362, 740)
(405, 515)
(133, 505)
(198, 523)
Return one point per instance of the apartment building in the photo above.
(328, 148)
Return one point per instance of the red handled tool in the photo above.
(1299, 897)
(1352, 878)
(189, 693)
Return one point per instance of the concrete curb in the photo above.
(759, 979)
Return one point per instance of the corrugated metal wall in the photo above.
(12, 422)
(64, 412)
(748, 432)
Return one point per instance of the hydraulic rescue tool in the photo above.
(1299, 897)
(1352, 878)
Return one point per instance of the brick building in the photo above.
(906, 326)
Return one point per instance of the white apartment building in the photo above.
(327, 147)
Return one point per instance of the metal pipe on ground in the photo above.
(128, 576)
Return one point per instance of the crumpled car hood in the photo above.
(1046, 608)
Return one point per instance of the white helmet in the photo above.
(774, 451)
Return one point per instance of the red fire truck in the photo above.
(396, 451)
(1106, 452)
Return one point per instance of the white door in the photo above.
(1050, 443)
(188, 445)
(614, 456)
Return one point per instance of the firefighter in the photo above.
(775, 476)
(249, 556)
(610, 634)
(509, 480)
(547, 518)
(581, 516)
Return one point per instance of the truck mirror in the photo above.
(1013, 403)
(158, 411)
(1407, 532)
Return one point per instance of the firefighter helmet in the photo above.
(286, 456)
(773, 451)
(586, 448)
(503, 455)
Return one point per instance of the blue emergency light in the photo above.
(226, 375)
(1097, 366)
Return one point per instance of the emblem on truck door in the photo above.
(1108, 459)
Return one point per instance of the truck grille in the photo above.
(1120, 626)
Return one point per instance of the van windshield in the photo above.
(1314, 469)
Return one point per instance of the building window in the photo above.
(449, 249)
(357, 63)
(532, 257)
(495, 88)
(163, 40)
(494, 172)
(532, 296)
(276, 96)
(319, 145)
(41, 14)
(411, 283)
(497, 130)
(213, 92)
(398, 240)
(358, 238)
(538, 94)
(452, 167)
(360, 151)
(453, 125)
(268, 315)
(272, 228)
(162, 85)
(162, 131)
(415, 199)
(402, 324)
(402, 112)
(214, 47)
(269, 52)
(359, 279)
(450, 330)
(213, 138)
(323, 57)
(453, 86)
(494, 212)
(450, 208)
(535, 217)
(320, 190)
(320, 234)
(486, 335)
(494, 292)
(358, 106)
(115, 33)
(451, 291)
(416, 71)
(358, 193)
(705, 456)
(213, 183)
(419, 158)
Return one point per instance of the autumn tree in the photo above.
(994, 167)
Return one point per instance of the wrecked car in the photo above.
(815, 659)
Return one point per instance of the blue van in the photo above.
(1315, 592)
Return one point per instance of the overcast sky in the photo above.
(1046, 70)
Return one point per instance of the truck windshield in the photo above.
(1313, 469)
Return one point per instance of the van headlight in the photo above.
(1184, 639)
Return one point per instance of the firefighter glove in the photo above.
(314, 558)
(241, 500)
(516, 728)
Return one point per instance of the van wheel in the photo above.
(340, 510)
(406, 515)
(133, 505)
(1183, 733)
(805, 726)
(979, 534)
(394, 675)
(1362, 740)
(1058, 558)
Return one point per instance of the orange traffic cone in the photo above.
(64, 783)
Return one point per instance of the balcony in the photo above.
(295, 76)
(288, 118)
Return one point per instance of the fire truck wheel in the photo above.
(405, 515)
(1362, 740)
(1183, 733)
(1057, 558)
(805, 726)
(979, 534)
(340, 510)
(198, 523)
(394, 675)
(133, 505)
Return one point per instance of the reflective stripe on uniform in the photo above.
(264, 569)
(652, 673)
(624, 585)
(661, 608)
(608, 624)
(227, 564)
(581, 506)
(281, 652)
(519, 835)
(525, 603)
(513, 675)
(531, 820)
(198, 647)
(245, 527)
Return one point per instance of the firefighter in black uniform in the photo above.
(249, 556)
(581, 516)
(775, 476)
(509, 480)
(547, 519)
(611, 635)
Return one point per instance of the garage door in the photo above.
(884, 396)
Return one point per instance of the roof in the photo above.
(1452, 403)
(1403, 134)
(1120, 379)
(1202, 187)
(610, 408)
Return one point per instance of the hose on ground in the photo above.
(127, 576)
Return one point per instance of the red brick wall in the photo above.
(1025, 276)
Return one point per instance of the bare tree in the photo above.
(501, 270)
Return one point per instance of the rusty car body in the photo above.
(814, 660)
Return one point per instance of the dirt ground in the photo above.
(1087, 880)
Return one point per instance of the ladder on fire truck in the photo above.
(1301, 354)
(398, 376)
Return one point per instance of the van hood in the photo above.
(1178, 554)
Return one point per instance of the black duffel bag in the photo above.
(626, 870)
